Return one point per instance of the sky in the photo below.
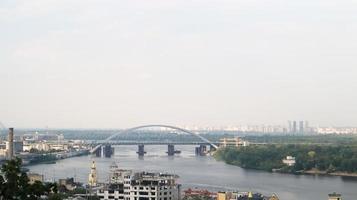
(123, 63)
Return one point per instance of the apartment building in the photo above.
(129, 185)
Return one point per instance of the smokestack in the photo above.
(10, 150)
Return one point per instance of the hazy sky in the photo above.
(121, 63)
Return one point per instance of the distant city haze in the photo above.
(118, 64)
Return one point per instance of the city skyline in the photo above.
(291, 128)
(178, 99)
(82, 64)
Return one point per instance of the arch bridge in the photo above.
(107, 140)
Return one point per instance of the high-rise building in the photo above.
(294, 127)
(290, 127)
(301, 127)
(307, 129)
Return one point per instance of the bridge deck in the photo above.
(156, 143)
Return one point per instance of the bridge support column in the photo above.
(212, 148)
(141, 150)
(201, 150)
(170, 150)
(98, 152)
(108, 151)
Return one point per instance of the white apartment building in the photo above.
(127, 185)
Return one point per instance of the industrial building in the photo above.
(17, 146)
(11, 147)
(233, 142)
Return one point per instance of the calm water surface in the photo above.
(204, 172)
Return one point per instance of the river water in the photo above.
(204, 172)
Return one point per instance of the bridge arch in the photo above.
(155, 126)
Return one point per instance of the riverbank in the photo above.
(308, 159)
(50, 158)
(325, 173)
(308, 172)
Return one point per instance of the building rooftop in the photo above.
(147, 178)
(334, 195)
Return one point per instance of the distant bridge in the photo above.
(154, 143)
(108, 140)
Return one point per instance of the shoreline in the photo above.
(308, 172)
(324, 173)
(55, 157)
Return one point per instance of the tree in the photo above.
(311, 154)
(2, 186)
(14, 183)
(13, 180)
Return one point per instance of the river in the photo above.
(204, 172)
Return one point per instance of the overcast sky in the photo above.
(122, 63)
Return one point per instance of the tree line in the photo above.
(328, 158)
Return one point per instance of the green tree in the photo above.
(13, 180)
(14, 183)
(311, 154)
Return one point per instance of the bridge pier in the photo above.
(108, 151)
(104, 151)
(212, 148)
(201, 150)
(171, 150)
(141, 151)
(98, 152)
